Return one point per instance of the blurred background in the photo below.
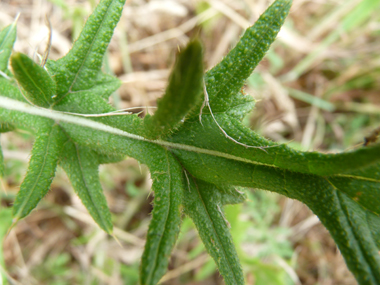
(318, 88)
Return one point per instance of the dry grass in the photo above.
(341, 73)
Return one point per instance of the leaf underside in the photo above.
(195, 165)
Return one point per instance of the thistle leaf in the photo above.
(231, 195)
(79, 69)
(356, 237)
(22, 120)
(209, 136)
(105, 85)
(166, 216)
(39, 88)
(43, 162)
(204, 206)
(224, 81)
(81, 166)
(182, 94)
(349, 225)
(7, 40)
(10, 90)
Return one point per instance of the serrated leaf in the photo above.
(39, 87)
(348, 223)
(43, 162)
(222, 167)
(182, 94)
(105, 85)
(7, 40)
(344, 218)
(81, 166)
(10, 89)
(226, 78)
(208, 136)
(203, 203)
(166, 216)
(79, 69)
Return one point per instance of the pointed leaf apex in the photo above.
(182, 94)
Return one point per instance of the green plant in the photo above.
(195, 146)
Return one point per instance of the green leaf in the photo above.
(231, 195)
(34, 79)
(346, 220)
(7, 40)
(348, 224)
(6, 127)
(374, 225)
(43, 162)
(109, 158)
(18, 119)
(208, 137)
(10, 90)
(168, 187)
(105, 85)
(79, 69)
(204, 206)
(181, 95)
(364, 191)
(81, 166)
(85, 103)
(226, 78)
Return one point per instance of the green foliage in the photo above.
(203, 204)
(198, 152)
(43, 162)
(7, 39)
(182, 93)
(38, 85)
